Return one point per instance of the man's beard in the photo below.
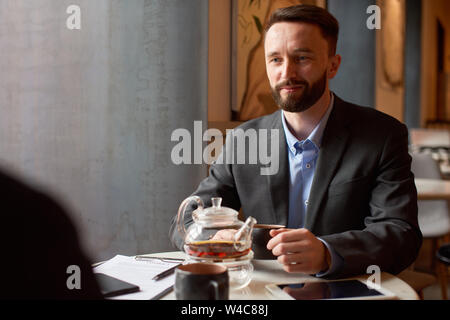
(306, 100)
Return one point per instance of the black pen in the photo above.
(166, 273)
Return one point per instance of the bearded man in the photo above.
(344, 187)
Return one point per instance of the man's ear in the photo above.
(334, 64)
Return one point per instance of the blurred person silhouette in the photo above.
(38, 244)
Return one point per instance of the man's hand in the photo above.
(225, 234)
(298, 250)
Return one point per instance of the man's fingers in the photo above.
(224, 235)
(300, 264)
(299, 268)
(290, 258)
(275, 232)
(290, 247)
(299, 251)
(288, 235)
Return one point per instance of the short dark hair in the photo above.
(327, 23)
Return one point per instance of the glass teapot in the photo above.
(216, 233)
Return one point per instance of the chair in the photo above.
(417, 280)
(443, 255)
(433, 216)
(434, 220)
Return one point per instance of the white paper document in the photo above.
(140, 273)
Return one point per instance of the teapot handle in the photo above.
(181, 211)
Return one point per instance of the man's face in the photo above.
(298, 64)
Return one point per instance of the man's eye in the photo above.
(302, 58)
(276, 60)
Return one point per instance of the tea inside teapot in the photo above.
(216, 233)
(223, 249)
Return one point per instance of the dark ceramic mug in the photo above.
(260, 237)
(201, 281)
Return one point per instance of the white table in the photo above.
(433, 189)
(270, 271)
(430, 137)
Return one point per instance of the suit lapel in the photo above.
(334, 140)
(279, 183)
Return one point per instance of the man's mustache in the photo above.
(291, 83)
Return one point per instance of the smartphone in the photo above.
(339, 289)
(111, 287)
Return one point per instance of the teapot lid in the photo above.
(217, 210)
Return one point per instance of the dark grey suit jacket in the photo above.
(363, 200)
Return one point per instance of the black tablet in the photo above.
(111, 287)
(342, 289)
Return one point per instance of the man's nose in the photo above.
(289, 70)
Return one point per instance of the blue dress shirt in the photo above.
(302, 164)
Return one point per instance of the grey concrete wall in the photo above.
(88, 113)
(355, 81)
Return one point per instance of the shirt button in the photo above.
(308, 166)
(306, 202)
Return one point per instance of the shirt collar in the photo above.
(315, 136)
